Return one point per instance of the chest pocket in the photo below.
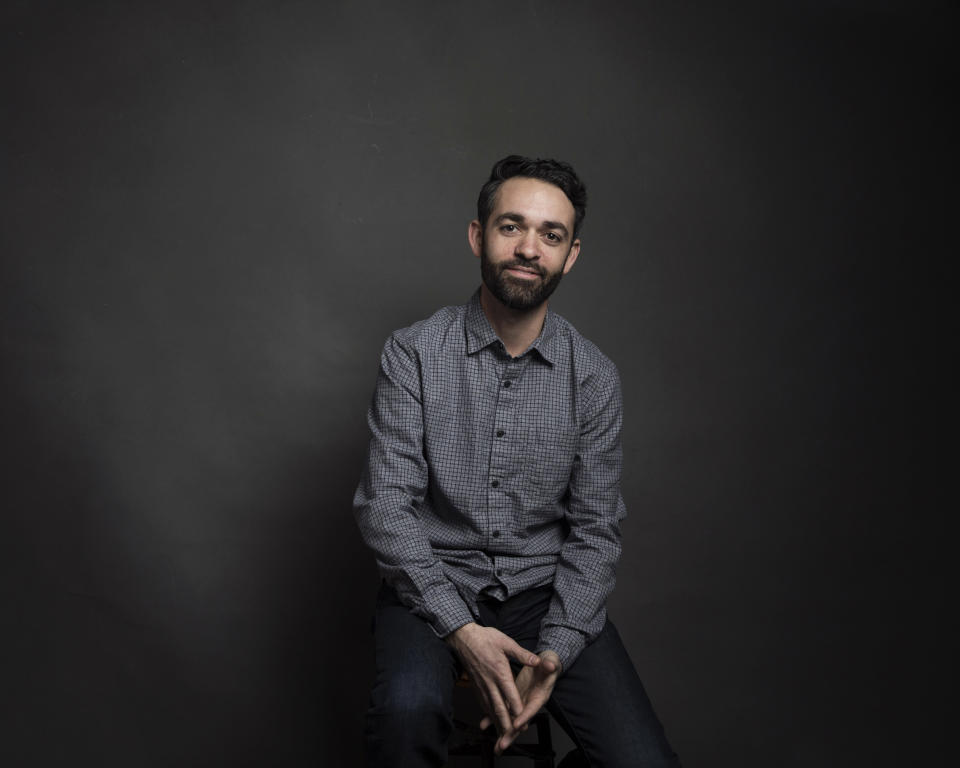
(550, 457)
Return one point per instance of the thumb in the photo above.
(512, 648)
(550, 665)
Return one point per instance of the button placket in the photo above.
(504, 416)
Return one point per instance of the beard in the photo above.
(515, 292)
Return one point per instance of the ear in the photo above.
(572, 256)
(475, 237)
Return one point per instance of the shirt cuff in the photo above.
(451, 618)
(566, 643)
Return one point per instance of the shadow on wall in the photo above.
(327, 640)
(167, 606)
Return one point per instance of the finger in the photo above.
(536, 698)
(519, 653)
(484, 701)
(499, 711)
(511, 695)
(534, 705)
(504, 742)
(526, 684)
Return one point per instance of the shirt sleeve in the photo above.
(586, 571)
(392, 488)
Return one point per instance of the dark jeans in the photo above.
(599, 701)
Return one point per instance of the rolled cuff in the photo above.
(450, 619)
(566, 643)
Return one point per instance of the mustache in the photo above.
(523, 265)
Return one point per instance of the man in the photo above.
(491, 499)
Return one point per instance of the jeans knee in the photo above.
(406, 697)
(407, 725)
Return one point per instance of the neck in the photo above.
(516, 328)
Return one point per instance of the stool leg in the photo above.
(486, 751)
(545, 742)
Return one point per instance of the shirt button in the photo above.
(495, 484)
(499, 433)
(499, 571)
(496, 534)
(506, 384)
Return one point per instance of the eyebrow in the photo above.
(519, 219)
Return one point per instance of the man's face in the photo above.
(527, 244)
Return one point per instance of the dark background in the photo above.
(214, 214)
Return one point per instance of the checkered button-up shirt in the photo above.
(492, 474)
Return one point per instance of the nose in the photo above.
(528, 248)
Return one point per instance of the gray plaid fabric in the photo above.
(491, 474)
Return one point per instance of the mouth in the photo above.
(524, 273)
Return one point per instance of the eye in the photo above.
(553, 237)
(508, 228)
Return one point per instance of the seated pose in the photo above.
(491, 500)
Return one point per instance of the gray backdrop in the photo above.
(214, 214)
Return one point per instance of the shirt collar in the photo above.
(480, 333)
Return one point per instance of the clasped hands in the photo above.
(508, 703)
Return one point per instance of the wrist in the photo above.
(460, 634)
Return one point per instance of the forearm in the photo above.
(407, 562)
(584, 580)
(391, 490)
(586, 570)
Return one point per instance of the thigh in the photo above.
(413, 666)
(601, 702)
(411, 704)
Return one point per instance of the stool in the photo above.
(480, 743)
